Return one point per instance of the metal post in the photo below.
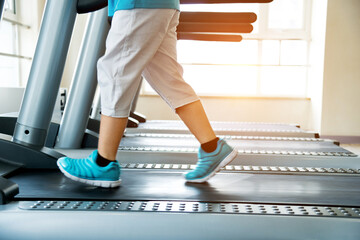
(96, 108)
(82, 91)
(46, 72)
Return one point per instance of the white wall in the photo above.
(236, 109)
(316, 60)
(29, 12)
(341, 89)
(10, 99)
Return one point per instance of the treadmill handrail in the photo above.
(222, 1)
(86, 6)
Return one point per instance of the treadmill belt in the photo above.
(261, 145)
(140, 185)
(173, 124)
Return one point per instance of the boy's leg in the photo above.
(194, 117)
(111, 132)
(164, 74)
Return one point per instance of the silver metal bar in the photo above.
(82, 91)
(194, 207)
(160, 225)
(46, 72)
(96, 109)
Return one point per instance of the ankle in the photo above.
(210, 146)
(102, 161)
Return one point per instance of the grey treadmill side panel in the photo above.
(46, 72)
(84, 83)
(142, 225)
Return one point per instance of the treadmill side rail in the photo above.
(43, 158)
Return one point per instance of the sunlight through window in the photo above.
(270, 62)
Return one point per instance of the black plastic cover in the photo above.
(85, 6)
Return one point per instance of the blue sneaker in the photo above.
(210, 163)
(87, 171)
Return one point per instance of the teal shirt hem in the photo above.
(115, 5)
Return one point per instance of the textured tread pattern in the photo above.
(249, 169)
(194, 207)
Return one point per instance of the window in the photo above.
(10, 6)
(9, 62)
(272, 61)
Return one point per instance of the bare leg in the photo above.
(111, 132)
(194, 117)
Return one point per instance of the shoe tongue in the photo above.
(200, 152)
(94, 154)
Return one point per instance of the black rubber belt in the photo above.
(165, 185)
(193, 207)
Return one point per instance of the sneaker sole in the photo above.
(104, 184)
(228, 159)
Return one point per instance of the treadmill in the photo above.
(162, 205)
(159, 202)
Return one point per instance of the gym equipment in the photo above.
(221, 1)
(128, 220)
(78, 107)
(271, 206)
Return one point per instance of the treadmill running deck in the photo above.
(224, 187)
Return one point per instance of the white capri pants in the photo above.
(141, 42)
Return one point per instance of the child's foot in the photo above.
(210, 163)
(87, 171)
